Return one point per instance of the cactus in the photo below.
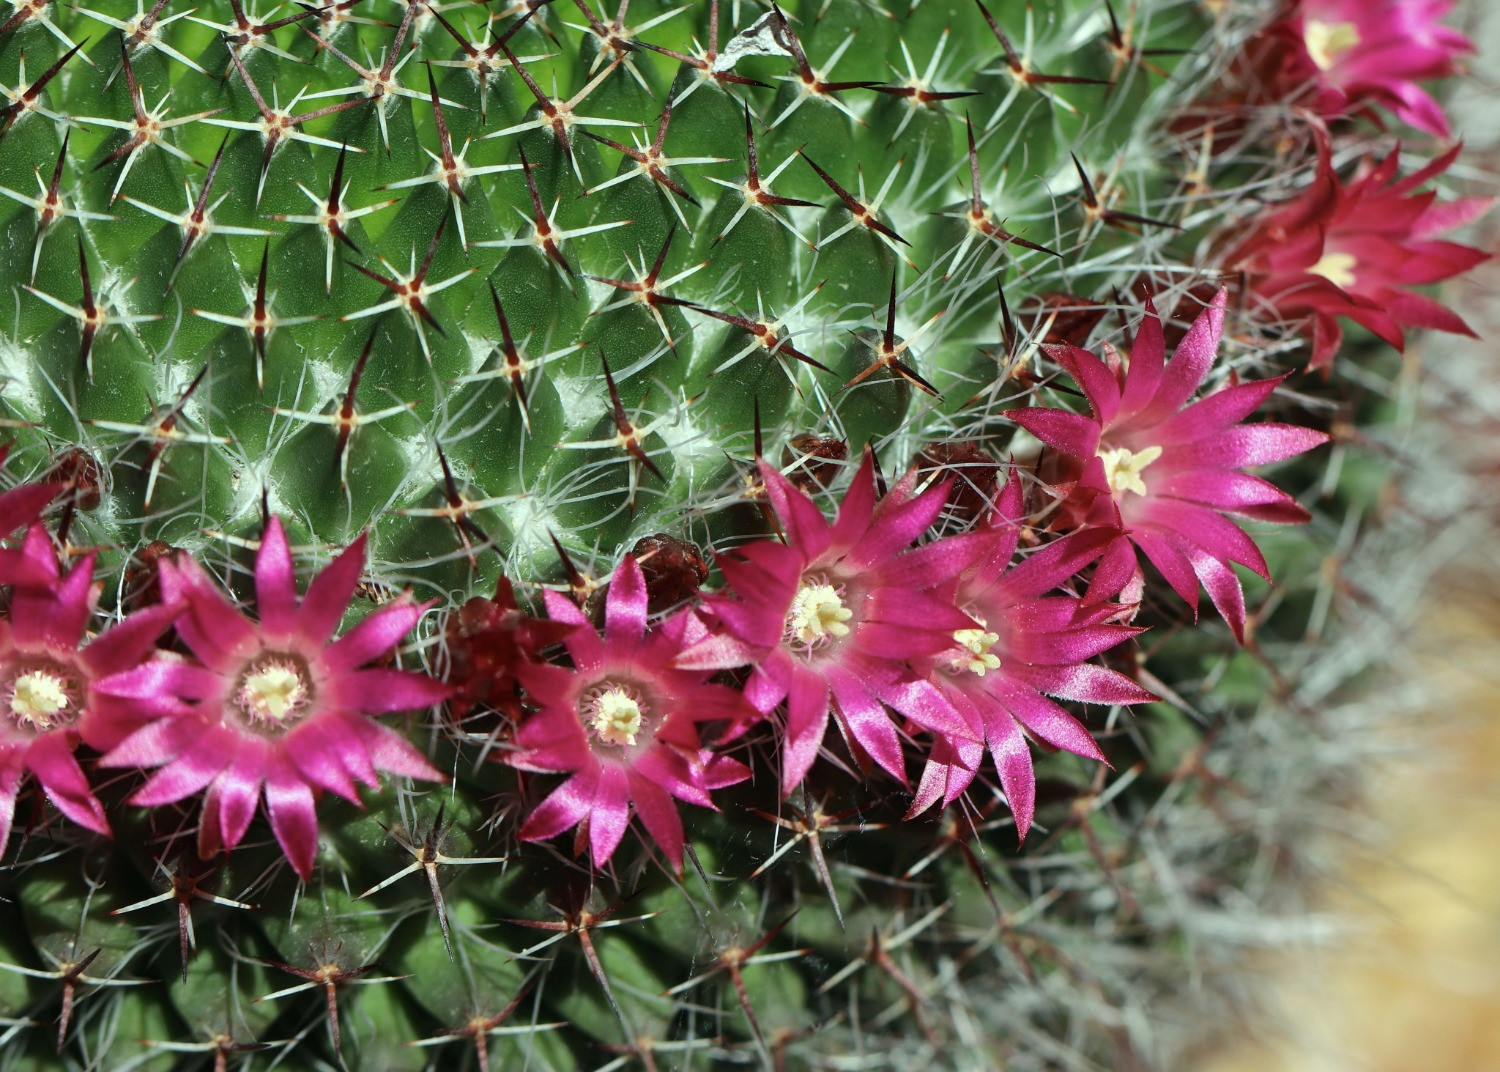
(476, 332)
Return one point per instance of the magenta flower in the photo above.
(19, 507)
(48, 678)
(623, 722)
(272, 706)
(1354, 251)
(837, 615)
(1028, 645)
(1168, 471)
(1360, 53)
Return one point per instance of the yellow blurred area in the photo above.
(1412, 982)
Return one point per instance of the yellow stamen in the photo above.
(1326, 42)
(615, 716)
(817, 612)
(1123, 468)
(37, 698)
(1337, 268)
(978, 642)
(273, 691)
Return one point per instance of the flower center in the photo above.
(1327, 42)
(977, 642)
(1337, 268)
(1123, 468)
(614, 712)
(40, 699)
(274, 689)
(817, 613)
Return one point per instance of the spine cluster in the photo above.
(465, 333)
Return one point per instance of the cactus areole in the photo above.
(412, 654)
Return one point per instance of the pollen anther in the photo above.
(817, 613)
(615, 714)
(1123, 468)
(273, 690)
(1326, 41)
(39, 699)
(1337, 268)
(978, 643)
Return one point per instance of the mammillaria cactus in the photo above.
(362, 493)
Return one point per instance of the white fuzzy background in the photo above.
(1405, 974)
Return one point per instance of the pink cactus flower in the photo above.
(1031, 643)
(835, 617)
(1362, 53)
(272, 706)
(622, 721)
(1354, 251)
(1165, 471)
(19, 507)
(48, 680)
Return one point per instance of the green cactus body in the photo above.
(263, 424)
(509, 336)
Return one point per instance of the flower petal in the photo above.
(806, 721)
(658, 814)
(53, 619)
(717, 651)
(1091, 374)
(53, 764)
(394, 754)
(183, 776)
(275, 582)
(897, 526)
(923, 704)
(1214, 413)
(1050, 722)
(563, 808)
(294, 817)
(1148, 356)
(1223, 588)
(216, 632)
(1172, 563)
(128, 642)
(950, 769)
(806, 528)
(858, 506)
(1189, 365)
(625, 607)
(1222, 489)
(21, 504)
(1071, 433)
(317, 756)
(1189, 526)
(238, 791)
(1046, 569)
(1255, 444)
(1087, 683)
(11, 770)
(610, 816)
(1013, 762)
(329, 594)
(865, 721)
(372, 638)
(379, 689)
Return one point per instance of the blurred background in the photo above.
(1398, 968)
(1404, 974)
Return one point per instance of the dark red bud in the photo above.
(143, 575)
(817, 460)
(1073, 318)
(674, 570)
(81, 473)
(975, 475)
